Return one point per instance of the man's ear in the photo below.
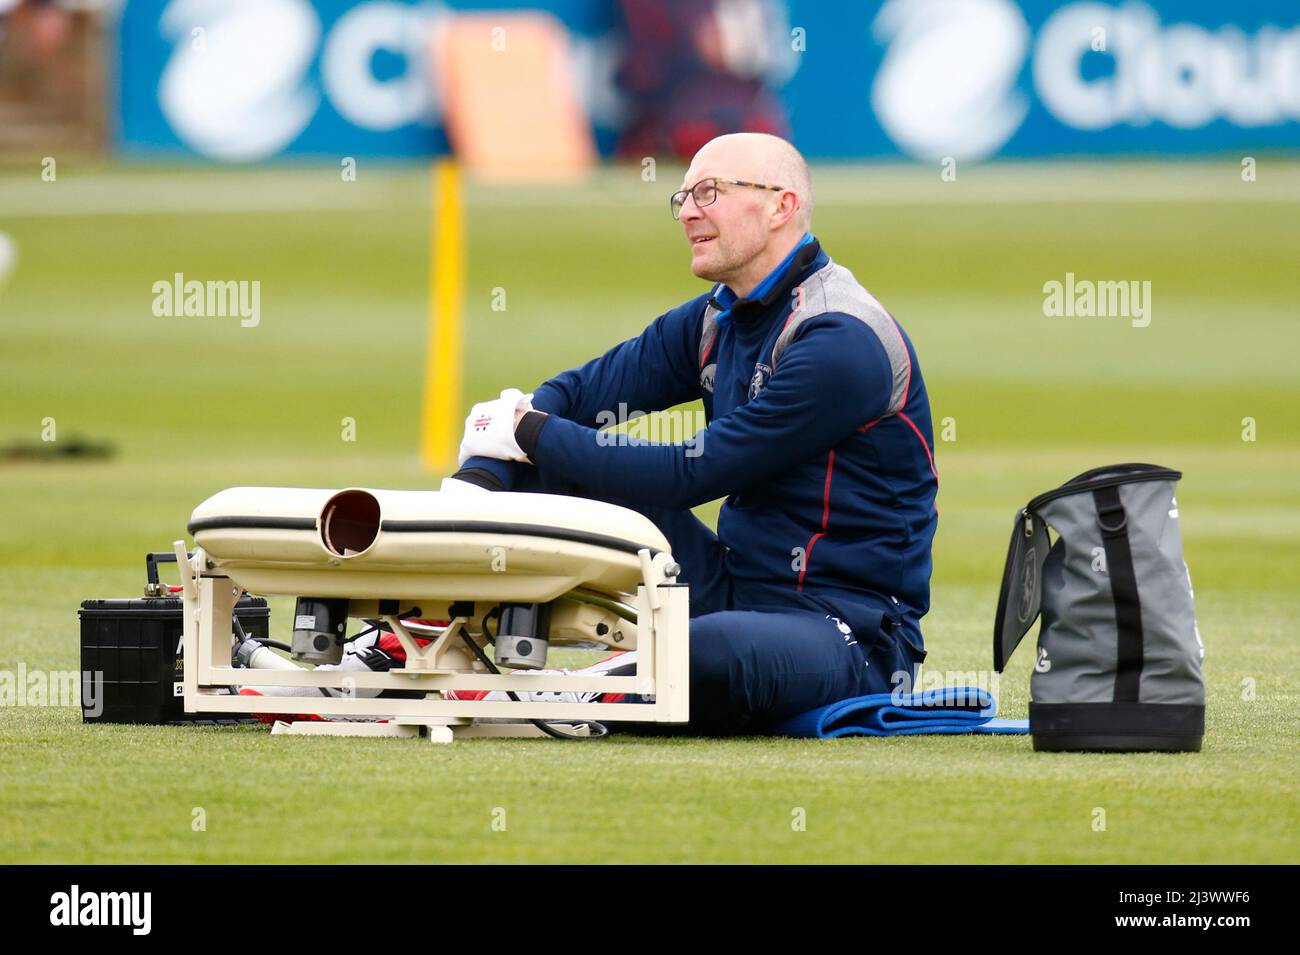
(787, 207)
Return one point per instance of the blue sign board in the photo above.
(249, 80)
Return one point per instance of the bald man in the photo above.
(819, 437)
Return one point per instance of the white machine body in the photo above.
(605, 570)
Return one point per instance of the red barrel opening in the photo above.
(349, 524)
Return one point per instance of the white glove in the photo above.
(490, 428)
(451, 485)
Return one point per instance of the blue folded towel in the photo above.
(960, 709)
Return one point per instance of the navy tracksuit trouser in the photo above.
(753, 668)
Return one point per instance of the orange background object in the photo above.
(512, 107)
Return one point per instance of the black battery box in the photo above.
(132, 648)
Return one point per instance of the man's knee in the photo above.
(723, 676)
(716, 686)
(715, 662)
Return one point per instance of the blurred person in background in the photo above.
(41, 27)
(52, 75)
(695, 69)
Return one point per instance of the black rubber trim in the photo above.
(1113, 522)
(498, 527)
(1117, 726)
(431, 527)
(260, 523)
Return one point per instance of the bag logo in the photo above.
(1099, 560)
(706, 377)
(1042, 665)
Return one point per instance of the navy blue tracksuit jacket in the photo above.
(819, 437)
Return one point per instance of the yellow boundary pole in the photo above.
(441, 425)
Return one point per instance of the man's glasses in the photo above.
(705, 193)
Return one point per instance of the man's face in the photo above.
(729, 232)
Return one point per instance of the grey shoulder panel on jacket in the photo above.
(709, 330)
(833, 288)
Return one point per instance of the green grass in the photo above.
(194, 405)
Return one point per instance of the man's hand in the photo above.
(490, 427)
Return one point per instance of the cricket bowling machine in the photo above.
(447, 574)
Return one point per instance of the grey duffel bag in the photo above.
(1119, 654)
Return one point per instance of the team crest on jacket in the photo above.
(706, 377)
(761, 374)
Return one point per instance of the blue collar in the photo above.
(725, 299)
